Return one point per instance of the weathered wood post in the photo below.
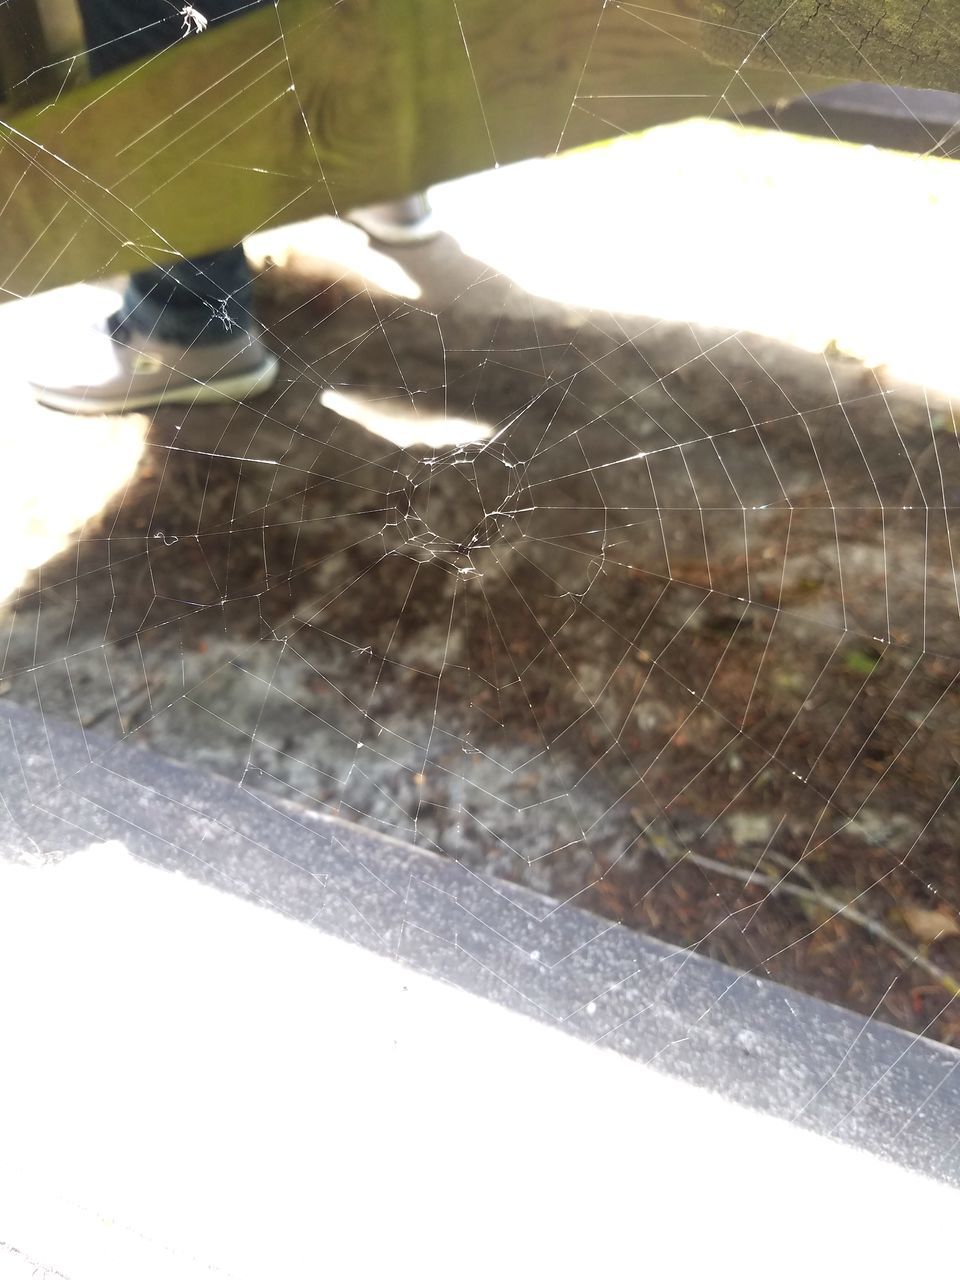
(316, 106)
(903, 42)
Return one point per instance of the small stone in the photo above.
(750, 828)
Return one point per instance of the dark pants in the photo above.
(196, 301)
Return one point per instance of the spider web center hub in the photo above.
(459, 503)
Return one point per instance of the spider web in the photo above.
(655, 617)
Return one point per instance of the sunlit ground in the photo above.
(329, 248)
(57, 470)
(405, 424)
(825, 246)
(804, 240)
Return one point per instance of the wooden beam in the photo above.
(320, 106)
(902, 42)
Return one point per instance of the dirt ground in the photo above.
(678, 642)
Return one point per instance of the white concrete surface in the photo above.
(192, 1086)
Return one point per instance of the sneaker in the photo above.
(111, 369)
(399, 224)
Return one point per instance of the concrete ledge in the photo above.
(754, 1042)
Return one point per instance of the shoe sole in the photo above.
(240, 386)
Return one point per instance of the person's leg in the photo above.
(184, 331)
(200, 300)
(121, 31)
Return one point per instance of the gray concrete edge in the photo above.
(743, 1036)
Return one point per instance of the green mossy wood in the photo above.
(903, 42)
(317, 106)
